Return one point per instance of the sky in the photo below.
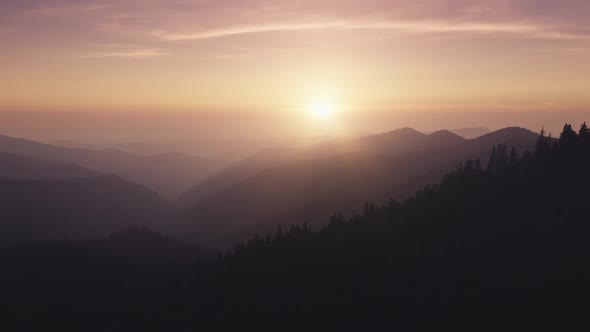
(255, 57)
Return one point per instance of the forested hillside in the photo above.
(492, 246)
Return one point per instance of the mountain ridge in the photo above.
(335, 183)
(397, 141)
(169, 174)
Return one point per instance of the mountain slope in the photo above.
(515, 135)
(482, 249)
(236, 173)
(169, 174)
(44, 210)
(396, 142)
(311, 190)
(15, 166)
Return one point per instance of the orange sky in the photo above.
(280, 56)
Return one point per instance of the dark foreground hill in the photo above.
(136, 253)
(495, 246)
(147, 248)
(83, 208)
(311, 189)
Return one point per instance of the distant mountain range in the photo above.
(49, 193)
(286, 187)
(170, 174)
(232, 149)
(22, 167)
(395, 142)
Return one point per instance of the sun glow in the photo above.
(322, 109)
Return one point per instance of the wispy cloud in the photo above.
(129, 54)
(401, 26)
(220, 33)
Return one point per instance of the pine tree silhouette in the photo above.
(492, 161)
(513, 156)
(568, 136)
(584, 134)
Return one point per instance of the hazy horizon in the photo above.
(170, 127)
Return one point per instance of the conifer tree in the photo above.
(568, 136)
(584, 134)
(279, 233)
(513, 156)
(492, 160)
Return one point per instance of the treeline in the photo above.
(502, 246)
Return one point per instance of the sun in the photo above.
(322, 109)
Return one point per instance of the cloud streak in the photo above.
(408, 27)
(142, 54)
(123, 51)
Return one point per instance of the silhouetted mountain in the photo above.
(470, 133)
(513, 135)
(310, 190)
(395, 142)
(81, 208)
(15, 166)
(169, 174)
(407, 140)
